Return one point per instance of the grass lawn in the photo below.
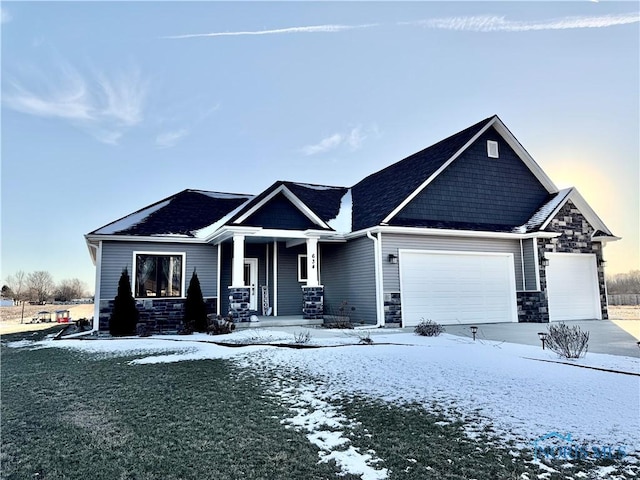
(71, 415)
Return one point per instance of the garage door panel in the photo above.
(454, 287)
(572, 287)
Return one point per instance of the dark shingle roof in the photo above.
(323, 200)
(181, 214)
(380, 193)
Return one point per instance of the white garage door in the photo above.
(572, 286)
(454, 287)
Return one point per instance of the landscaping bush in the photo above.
(195, 310)
(568, 342)
(301, 337)
(365, 338)
(219, 325)
(124, 316)
(428, 328)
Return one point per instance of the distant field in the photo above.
(10, 316)
(624, 312)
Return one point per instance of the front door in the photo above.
(251, 280)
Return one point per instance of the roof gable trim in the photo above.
(504, 132)
(306, 211)
(586, 210)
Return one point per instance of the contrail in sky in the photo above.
(308, 29)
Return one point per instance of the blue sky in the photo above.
(108, 107)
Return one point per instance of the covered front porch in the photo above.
(271, 274)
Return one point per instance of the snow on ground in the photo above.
(488, 384)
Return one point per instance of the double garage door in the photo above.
(457, 288)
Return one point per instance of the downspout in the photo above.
(96, 294)
(378, 276)
(524, 279)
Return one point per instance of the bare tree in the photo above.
(41, 286)
(69, 289)
(624, 283)
(17, 283)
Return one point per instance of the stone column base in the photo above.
(239, 303)
(312, 302)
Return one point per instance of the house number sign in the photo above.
(313, 260)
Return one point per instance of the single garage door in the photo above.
(572, 286)
(454, 287)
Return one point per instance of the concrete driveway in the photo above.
(605, 336)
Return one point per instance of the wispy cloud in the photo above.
(5, 16)
(494, 23)
(352, 139)
(277, 31)
(170, 139)
(103, 105)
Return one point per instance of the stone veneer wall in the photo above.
(162, 315)
(532, 307)
(392, 308)
(312, 302)
(575, 237)
(239, 303)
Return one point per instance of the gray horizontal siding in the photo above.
(528, 252)
(119, 255)
(391, 243)
(348, 274)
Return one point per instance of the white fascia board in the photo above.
(291, 197)
(450, 233)
(517, 147)
(228, 231)
(513, 143)
(92, 246)
(586, 210)
(152, 239)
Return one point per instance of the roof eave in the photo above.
(442, 232)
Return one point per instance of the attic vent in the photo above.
(492, 149)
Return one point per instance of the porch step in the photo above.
(279, 322)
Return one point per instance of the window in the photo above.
(302, 268)
(158, 275)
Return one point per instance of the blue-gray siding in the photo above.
(289, 288)
(348, 275)
(391, 243)
(476, 189)
(118, 255)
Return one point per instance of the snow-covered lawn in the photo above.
(505, 387)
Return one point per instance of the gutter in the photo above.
(377, 249)
(449, 233)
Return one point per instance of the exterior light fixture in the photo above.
(543, 338)
(638, 343)
(392, 258)
(545, 261)
(474, 330)
(602, 262)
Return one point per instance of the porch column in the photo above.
(312, 262)
(238, 293)
(312, 292)
(237, 270)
